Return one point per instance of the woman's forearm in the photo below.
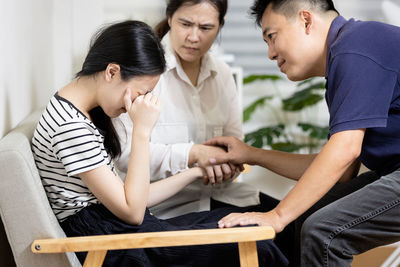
(138, 176)
(166, 188)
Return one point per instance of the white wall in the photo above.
(149, 11)
(43, 44)
(25, 60)
(40, 43)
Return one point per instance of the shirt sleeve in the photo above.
(358, 94)
(165, 159)
(79, 147)
(123, 126)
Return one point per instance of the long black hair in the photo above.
(173, 5)
(135, 48)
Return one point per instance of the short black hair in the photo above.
(287, 7)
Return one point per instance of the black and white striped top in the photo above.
(66, 143)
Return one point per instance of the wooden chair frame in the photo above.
(97, 246)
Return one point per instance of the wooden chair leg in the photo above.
(95, 258)
(248, 254)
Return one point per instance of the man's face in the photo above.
(289, 44)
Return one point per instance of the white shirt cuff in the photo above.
(180, 157)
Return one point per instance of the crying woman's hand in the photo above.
(143, 111)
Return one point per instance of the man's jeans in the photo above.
(362, 220)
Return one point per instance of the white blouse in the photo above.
(190, 114)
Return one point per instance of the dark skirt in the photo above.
(283, 240)
(97, 220)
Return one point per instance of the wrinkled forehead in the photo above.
(203, 12)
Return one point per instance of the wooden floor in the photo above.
(373, 258)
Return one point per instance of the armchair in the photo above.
(36, 238)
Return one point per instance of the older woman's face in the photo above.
(193, 30)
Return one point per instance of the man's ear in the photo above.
(306, 18)
(111, 71)
(169, 21)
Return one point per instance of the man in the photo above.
(361, 63)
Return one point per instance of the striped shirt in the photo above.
(65, 144)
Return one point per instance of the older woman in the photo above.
(199, 102)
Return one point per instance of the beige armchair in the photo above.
(36, 238)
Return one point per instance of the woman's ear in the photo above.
(169, 21)
(306, 18)
(112, 71)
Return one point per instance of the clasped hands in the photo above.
(236, 153)
(222, 158)
(213, 173)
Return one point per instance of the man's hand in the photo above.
(201, 154)
(237, 152)
(270, 218)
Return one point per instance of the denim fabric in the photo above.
(97, 220)
(362, 220)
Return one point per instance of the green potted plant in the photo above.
(303, 136)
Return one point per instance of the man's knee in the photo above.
(314, 229)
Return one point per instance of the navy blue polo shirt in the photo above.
(363, 88)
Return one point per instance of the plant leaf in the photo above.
(318, 85)
(300, 102)
(258, 142)
(317, 132)
(305, 82)
(253, 106)
(303, 98)
(264, 136)
(252, 78)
